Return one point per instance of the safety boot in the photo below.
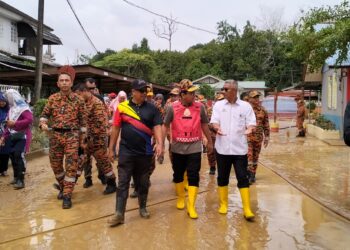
(223, 198)
(118, 218)
(67, 202)
(111, 186)
(248, 214)
(191, 202)
(19, 184)
(88, 182)
(180, 192)
(142, 206)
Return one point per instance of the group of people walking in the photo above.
(81, 124)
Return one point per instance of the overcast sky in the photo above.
(115, 24)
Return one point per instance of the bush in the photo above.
(311, 106)
(324, 123)
(40, 140)
(39, 106)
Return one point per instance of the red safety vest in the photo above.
(186, 125)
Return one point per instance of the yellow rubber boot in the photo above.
(248, 215)
(185, 181)
(191, 202)
(223, 198)
(180, 192)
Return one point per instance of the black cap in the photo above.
(138, 84)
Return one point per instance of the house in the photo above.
(18, 33)
(335, 90)
(243, 86)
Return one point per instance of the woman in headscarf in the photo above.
(18, 124)
(5, 149)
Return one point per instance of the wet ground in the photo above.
(286, 218)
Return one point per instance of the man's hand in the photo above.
(219, 132)
(210, 148)
(266, 141)
(249, 130)
(10, 124)
(159, 149)
(44, 127)
(111, 155)
(205, 141)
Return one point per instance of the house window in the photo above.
(332, 91)
(14, 33)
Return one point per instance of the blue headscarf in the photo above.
(3, 111)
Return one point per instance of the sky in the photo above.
(116, 25)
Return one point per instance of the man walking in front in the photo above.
(67, 115)
(187, 120)
(233, 120)
(138, 121)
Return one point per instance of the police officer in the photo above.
(97, 128)
(138, 120)
(66, 113)
(260, 135)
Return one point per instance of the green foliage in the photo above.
(143, 48)
(127, 62)
(324, 123)
(311, 106)
(39, 106)
(314, 43)
(207, 91)
(40, 140)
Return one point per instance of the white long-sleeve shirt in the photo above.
(233, 120)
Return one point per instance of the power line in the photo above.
(163, 16)
(81, 26)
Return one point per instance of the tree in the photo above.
(226, 32)
(167, 30)
(143, 48)
(127, 62)
(321, 33)
(207, 91)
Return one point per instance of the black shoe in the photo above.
(67, 203)
(13, 181)
(102, 179)
(88, 183)
(19, 184)
(116, 220)
(212, 170)
(144, 213)
(133, 194)
(251, 177)
(111, 187)
(60, 195)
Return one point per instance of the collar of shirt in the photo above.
(238, 102)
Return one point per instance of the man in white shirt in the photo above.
(233, 119)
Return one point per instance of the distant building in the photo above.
(243, 86)
(18, 33)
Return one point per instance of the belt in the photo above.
(63, 130)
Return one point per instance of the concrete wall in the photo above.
(5, 37)
(334, 96)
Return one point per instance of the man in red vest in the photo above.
(187, 119)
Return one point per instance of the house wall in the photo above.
(334, 96)
(5, 36)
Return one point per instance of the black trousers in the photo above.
(240, 164)
(189, 162)
(136, 166)
(4, 160)
(17, 158)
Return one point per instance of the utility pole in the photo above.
(39, 52)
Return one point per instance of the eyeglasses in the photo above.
(225, 89)
(92, 88)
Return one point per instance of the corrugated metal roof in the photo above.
(243, 85)
(7, 59)
(331, 61)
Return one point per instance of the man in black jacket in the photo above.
(347, 125)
